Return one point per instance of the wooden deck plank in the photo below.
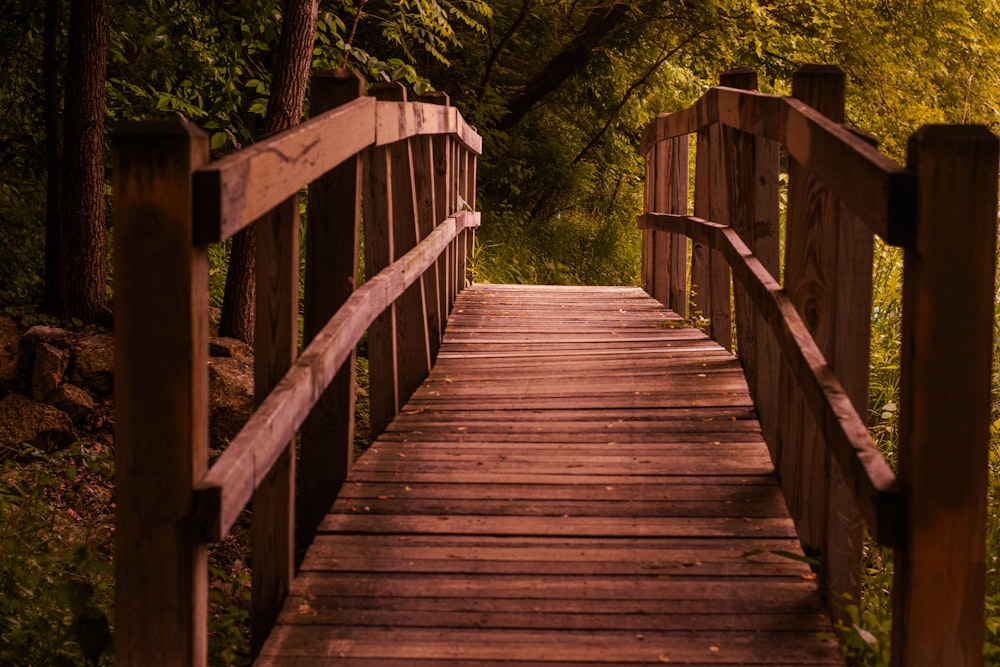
(579, 481)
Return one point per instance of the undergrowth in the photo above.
(56, 574)
(867, 639)
(570, 248)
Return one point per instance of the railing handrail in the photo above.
(231, 481)
(234, 191)
(868, 475)
(876, 188)
(941, 208)
(171, 203)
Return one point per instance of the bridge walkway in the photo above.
(581, 480)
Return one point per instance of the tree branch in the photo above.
(600, 23)
(495, 56)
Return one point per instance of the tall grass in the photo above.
(572, 248)
(867, 642)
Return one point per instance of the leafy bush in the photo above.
(56, 577)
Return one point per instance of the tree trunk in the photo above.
(53, 152)
(289, 80)
(83, 253)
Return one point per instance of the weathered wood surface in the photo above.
(223, 492)
(875, 188)
(161, 446)
(945, 408)
(580, 480)
(869, 477)
(232, 192)
(326, 441)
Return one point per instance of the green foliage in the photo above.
(56, 577)
(22, 237)
(229, 604)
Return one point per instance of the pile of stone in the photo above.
(50, 378)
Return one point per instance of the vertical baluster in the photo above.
(948, 294)
(379, 245)
(161, 396)
(665, 255)
(470, 189)
(413, 356)
(461, 247)
(275, 349)
(710, 278)
(433, 191)
(752, 165)
(648, 234)
(332, 248)
(677, 260)
(662, 175)
(828, 258)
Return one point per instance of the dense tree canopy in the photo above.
(561, 91)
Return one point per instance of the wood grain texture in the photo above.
(161, 427)
(945, 410)
(272, 529)
(710, 279)
(582, 530)
(332, 252)
(868, 476)
(666, 254)
(422, 151)
(228, 486)
(412, 347)
(877, 189)
(236, 190)
(828, 260)
(751, 169)
(378, 197)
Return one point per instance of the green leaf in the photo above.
(218, 140)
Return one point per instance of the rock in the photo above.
(73, 401)
(50, 365)
(52, 335)
(24, 420)
(214, 315)
(230, 397)
(10, 341)
(229, 347)
(94, 363)
(59, 338)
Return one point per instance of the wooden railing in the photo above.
(412, 167)
(804, 343)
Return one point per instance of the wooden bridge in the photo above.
(566, 475)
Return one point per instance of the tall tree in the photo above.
(53, 150)
(82, 239)
(290, 77)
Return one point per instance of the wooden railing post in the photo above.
(948, 294)
(441, 163)
(462, 243)
(424, 182)
(470, 197)
(751, 168)
(379, 251)
(398, 349)
(332, 248)
(710, 277)
(276, 340)
(161, 396)
(828, 259)
(665, 258)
